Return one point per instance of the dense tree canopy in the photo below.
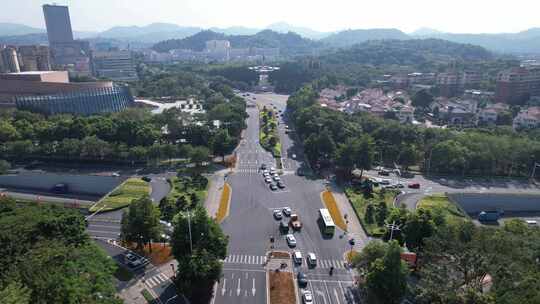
(47, 257)
(329, 135)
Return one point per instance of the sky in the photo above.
(457, 16)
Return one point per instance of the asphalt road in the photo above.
(251, 223)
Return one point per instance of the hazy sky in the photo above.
(473, 16)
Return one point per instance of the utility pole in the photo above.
(189, 229)
(536, 165)
(392, 227)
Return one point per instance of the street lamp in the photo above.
(189, 229)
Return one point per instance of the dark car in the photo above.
(263, 167)
(60, 188)
(273, 186)
(283, 227)
(302, 279)
(146, 179)
(300, 172)
(414, 186)
(384, 172)
(280, 185)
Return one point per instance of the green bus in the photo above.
(327, 224)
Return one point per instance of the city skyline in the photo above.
(341, 15)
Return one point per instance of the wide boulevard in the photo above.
(250, 223)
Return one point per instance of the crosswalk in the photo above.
(260, 260)
(245, 259)
(249, 171)
(156, 280)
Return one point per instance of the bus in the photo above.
(327, 224)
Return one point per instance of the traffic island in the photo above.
(122, 196)
(224, 202)
(279, 271)
(330, 202)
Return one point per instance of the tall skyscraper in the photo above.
(58, 24)
(67, 53)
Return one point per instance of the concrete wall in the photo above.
(77, 184)
(511, 204)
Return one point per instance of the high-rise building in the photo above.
(58, 24)
(10, 60)
(115, 65)
(517, 85)
(66, 53)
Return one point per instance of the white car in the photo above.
(294, 156)
(268, 180)
(291, 240)
(272, 169)
(297, 257)
(277, 214)
(287, 211)
(276, 178)
(307, 297)
(273, 172)
(265, 171)
(312, 259)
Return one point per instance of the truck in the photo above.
(295, 222)
(489, 216)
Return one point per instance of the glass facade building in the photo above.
(85, 102)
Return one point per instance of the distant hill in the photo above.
(235, 30)
(412, 52)
(351, 37)
(289, 43)
(14, 29)
(151, 33)
(425, 31)
(38, 38)
(282, 27)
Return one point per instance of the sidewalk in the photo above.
(355, 229)
(217, 181)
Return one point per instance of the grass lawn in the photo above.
(223, 209)
(359, 202)
(131, 189)
(281, 288)
(440, 204)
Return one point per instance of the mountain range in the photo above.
(523, 42)
(289, 43)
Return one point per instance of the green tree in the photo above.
(196, 275)
(422, 99)
(7, 132)
(381, 213)
(15, 293)
(199, 154)
(4, 166)
(370, 213)
(387, 276)
(206, 234)
(419, 226)
(221, 143)
(374, 250)
(140, 224)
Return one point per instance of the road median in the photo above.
(330, 202)
(224, 202)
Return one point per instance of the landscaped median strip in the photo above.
(331, 204)
(123, 195)
(224, 202)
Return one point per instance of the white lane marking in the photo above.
(238, 289)
(223, 287)
(337, 297)
(327, 291)
(253, 290)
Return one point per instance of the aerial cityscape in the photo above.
(238, 159)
